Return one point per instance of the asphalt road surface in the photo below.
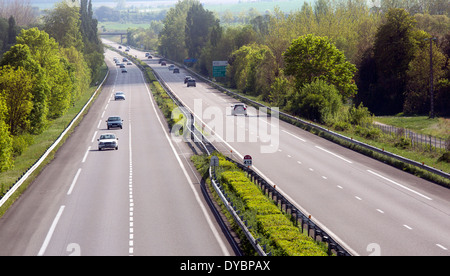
(369, 207)
(142, 199)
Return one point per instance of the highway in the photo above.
(369, 207)
(142, 199)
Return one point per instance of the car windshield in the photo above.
(107, 136)
(114, 119)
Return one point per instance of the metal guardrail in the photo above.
(198, 137)
(305, 221)
(329, 132)
(25, 175)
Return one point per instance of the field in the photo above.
(437, 127)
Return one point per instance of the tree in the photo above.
(6, 160)
(417, 98)
(318, 101)
(199, 23)
(63, 24)
(394, 49)
(172, 36)
(93, 47)
(15, 89)
(20, 56)
(311, 57)
(45, 50)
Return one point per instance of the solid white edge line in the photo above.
(50, 232)
(334, 236)
(400, 185)
(197, 197)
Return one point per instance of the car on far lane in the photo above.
(119, 96)
(176, 70)
(239, 109)
(114, 122)
(191, 82)
(124, 70)
(108, 141)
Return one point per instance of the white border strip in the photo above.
(19, 183)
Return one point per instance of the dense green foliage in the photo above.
(375, 56)
(268, 222)
(43, 72)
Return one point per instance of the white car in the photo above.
(108, 141)
(119, 96)
(239, 108)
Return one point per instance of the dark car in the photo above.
(191, 82)
(176, 70)
(163, 63)
(186, 78)
(114, 122)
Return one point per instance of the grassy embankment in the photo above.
(38, 144)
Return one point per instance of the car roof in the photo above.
(107, 134)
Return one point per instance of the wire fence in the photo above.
(426, 142)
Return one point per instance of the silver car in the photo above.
(239, 109)
(119, 96)
(108, 141)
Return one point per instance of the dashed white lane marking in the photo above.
(86, 154)
(399, 185)
(197, 197)
(303, 140)
(334, 154)
(380, 211)
(50, 231)
(93, 137)
(74, 181)
(407, 227)
(131, 200)
(441, 246)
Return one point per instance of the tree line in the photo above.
(329, 61)
(44, 71)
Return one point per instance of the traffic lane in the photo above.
(95, 217)
(181, 95)
(169, 217)
(25, 225)
(216, 244)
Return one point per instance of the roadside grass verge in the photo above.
(39, 144)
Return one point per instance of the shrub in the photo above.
(271, 223)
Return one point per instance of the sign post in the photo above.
(219, 68)
(247, 160)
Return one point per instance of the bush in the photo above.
(360, 115)
(271, 223)
(368, 132)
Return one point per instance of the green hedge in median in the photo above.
(286, 238)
